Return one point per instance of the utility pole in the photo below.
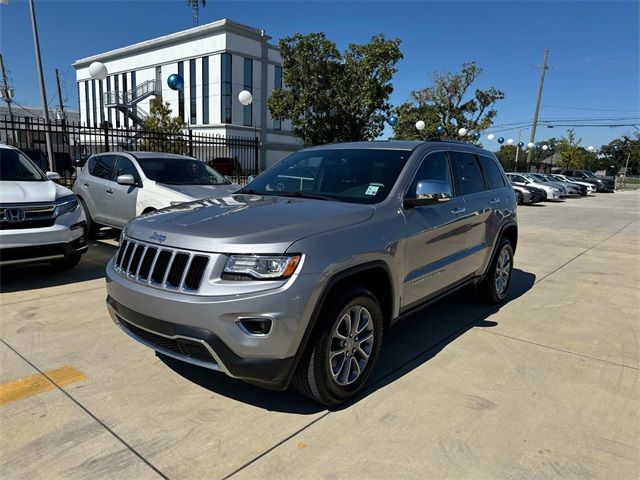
(535, 115)
(43, 92)
(60, 94)
(517, 150)
(7, 96)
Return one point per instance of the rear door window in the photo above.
(492, 174)
(466, 173)
(101, 166)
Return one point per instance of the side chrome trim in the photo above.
(218, 365)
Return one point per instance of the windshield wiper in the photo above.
(304, 195)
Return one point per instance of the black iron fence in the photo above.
(233, 156)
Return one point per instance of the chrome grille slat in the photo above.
(185, 271)
(131, 257)
(166, 272)
(161, 267)
(144, 252)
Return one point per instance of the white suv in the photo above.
(39, 220)
(116, 187)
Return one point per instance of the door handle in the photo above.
(86, 184)
(494, 200)
(457, 210)
(109, 191)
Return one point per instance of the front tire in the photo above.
(338, 363)
(519, 198)
(495, 286)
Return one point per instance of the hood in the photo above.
(245, 223)
(28, 192)
(197, 192)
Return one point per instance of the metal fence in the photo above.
(233, 156)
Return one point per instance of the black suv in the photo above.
(602, 184)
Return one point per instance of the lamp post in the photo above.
(246, 98)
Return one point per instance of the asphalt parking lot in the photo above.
(544, 387)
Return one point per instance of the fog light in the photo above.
(255, 326)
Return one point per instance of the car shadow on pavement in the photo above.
(15, 278)
(412, 342)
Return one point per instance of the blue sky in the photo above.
(594, 46)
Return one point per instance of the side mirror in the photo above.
(429, 192)
(228, 178)
(53, 176)
(126, 179)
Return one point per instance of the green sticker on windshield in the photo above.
(372, 190)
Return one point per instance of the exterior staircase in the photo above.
(127, 102)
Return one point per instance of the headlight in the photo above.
(260, 267)
(557, 190)
(66, 205)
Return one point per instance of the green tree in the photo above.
(616, 153)
(507, 156)
(332, 96)
(161, 132)
(572, 155)
(450, 103)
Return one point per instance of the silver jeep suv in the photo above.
(297, 277)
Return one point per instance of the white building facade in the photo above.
(216, 61)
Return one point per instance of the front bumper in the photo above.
(42, 244)
(203, 329)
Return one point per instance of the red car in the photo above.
(226, 165)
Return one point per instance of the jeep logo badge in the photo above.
(158, 237)
(14, 214)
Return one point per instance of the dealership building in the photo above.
(216, 62)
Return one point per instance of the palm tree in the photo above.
(195, 5)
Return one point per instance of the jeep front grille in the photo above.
(161, 267)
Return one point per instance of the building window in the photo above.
(108, 109)
(192, 91)
(124, 96)
(181, 92)
(248, 85)
(277, 83)
(227, 104)
(116, 87)
(94, 108)
(87, 112)
(101, 101)
(205, 90)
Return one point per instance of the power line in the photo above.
(591, 109)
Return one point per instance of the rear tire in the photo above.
(67, 263)
(496, 283)
(339, 360)
(92, 228)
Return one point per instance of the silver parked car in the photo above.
(297, 277)
(116, 187)
(40, 221)
(554, 192)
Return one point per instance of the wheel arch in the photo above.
(374, 276)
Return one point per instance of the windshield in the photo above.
(590, 174)
(345, 175)
(180, 171)
(17, 167)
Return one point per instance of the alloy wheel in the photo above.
(503, 272)
(351, 345)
